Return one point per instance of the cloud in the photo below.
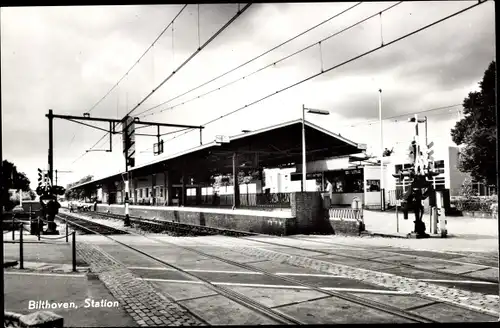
(67, 58)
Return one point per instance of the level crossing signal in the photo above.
(40, 177)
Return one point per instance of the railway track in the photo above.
(161, 225)
(182, 227)
(89, 226)
(268, 312)
(388, 252)
(271, 313)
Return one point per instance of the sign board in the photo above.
(309, 176)
(128, 136)
(128, 131)
(221, 139)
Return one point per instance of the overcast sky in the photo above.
(67, 58)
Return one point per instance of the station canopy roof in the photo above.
(275, 146)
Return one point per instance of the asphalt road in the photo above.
(21, 288)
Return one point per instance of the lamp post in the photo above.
(382, 200)
(311, 111)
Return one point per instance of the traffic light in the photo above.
(58, 190)
(131, 162)
(39, 190)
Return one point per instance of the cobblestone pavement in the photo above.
(146, 306)
(474, 301)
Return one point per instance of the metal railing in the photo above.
(247, 200)
(254, 200)
(16, 223)
(394, 195)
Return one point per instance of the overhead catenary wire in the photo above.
(279, 60)
(182, 65)
(138, 60)
(191, 57)
(253, 59)
(341, 64)
(370, 122)
(130, 69)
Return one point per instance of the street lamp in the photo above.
(311, 111)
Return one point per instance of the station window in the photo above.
(140, 193)
(161, 192)
(439, 166)
(372, 185)
(345, 181)
(147, 193)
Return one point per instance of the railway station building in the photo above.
(187, 178)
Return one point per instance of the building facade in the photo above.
(362, 179)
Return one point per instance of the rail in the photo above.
(161, 225)
(237, 297)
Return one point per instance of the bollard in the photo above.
(73, 251)
(66, 230)
(21, 260)
(39, 228)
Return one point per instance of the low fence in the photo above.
(393, 196)
(274, 200)
(346, 213)
(254, 200)
(19, 225)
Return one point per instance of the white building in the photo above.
(352, 178)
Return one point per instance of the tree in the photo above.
(477, 131)
(12, 179)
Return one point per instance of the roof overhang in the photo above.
(272, 146)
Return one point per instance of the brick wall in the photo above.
(308, 209)
(251, 223)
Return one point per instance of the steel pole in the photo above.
(73, 251)
(51, 145)
(303, 186)
(127, 219)
(21, 255)
(382, 191)
(426, 141)
(498, 164)
(2, 286)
